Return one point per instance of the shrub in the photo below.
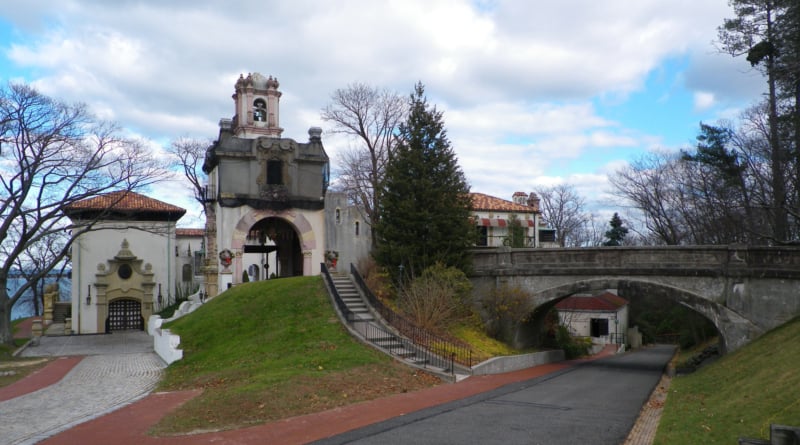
(573, 346)
(438, 298)
(505, 308)
(377, 280)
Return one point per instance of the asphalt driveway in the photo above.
(595, 403)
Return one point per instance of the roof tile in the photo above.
(125, 201)
(482, 202)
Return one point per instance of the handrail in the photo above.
(461, 354)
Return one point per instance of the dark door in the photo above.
(125, 314)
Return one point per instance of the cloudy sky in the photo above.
(534, 93)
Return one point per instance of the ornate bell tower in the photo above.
(265, 204)
(257, 107)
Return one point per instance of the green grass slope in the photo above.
(740, 395)
(268, 350)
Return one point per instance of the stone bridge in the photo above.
(744, 290)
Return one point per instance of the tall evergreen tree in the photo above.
(616, 234)
(425, 206)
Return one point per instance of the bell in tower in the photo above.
(257, 107)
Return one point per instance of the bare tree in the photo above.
(564, 210)
(648, 185)
(189, 155)
(53, 155)
(370, 117)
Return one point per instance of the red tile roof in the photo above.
(123, 200)
(482, 202)
(605, 302)
(189, 232)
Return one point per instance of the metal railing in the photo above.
(404, 348)
(618, 338)
(459, 353)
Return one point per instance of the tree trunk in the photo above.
(6, 335)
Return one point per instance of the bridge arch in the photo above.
(744, 290)
(735, 331)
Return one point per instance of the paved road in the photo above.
(593, 403)
(119, 369)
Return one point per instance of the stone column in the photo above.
(307, 262)
(210, 271)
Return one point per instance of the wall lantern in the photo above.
(88, 295)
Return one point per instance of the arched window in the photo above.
(338, 216)
(260, 110)
(186, 273)
(357, 227)
(253, 271)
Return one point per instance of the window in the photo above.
(338, 216)
(187, 273)
(274, 172)
(483, 236)
(599, 327)
(198, 263)
(357, 227)
(253, 271)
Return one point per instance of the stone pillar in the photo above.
(36, 327)
(307, 262)
(210, 271)
(50, 297)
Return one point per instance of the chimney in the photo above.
(533, 201)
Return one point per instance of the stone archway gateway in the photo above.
(289, 234)
(265, 193)
(124, 291)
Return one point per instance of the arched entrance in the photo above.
(124, 314)
(273, 245)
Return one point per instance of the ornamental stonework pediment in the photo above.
(267, 145)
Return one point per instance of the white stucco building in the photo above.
(493, 216)
(603, 317)
(125, 268)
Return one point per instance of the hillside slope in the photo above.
(269, 350)
(740, 395)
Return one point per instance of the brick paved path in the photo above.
(95, 386)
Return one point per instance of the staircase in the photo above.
(352, 299)
(373, 330)
(61, 310)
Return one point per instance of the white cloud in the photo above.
(517, 80)
(703, 100)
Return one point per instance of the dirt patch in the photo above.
(15, 369)
(23, 363)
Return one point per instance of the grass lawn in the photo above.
(13, 368)
(268, 350)
(739, 395)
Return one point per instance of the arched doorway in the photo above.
(124, 314)
(274, 244)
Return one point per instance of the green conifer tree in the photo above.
(425, 204)
(616, 234)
